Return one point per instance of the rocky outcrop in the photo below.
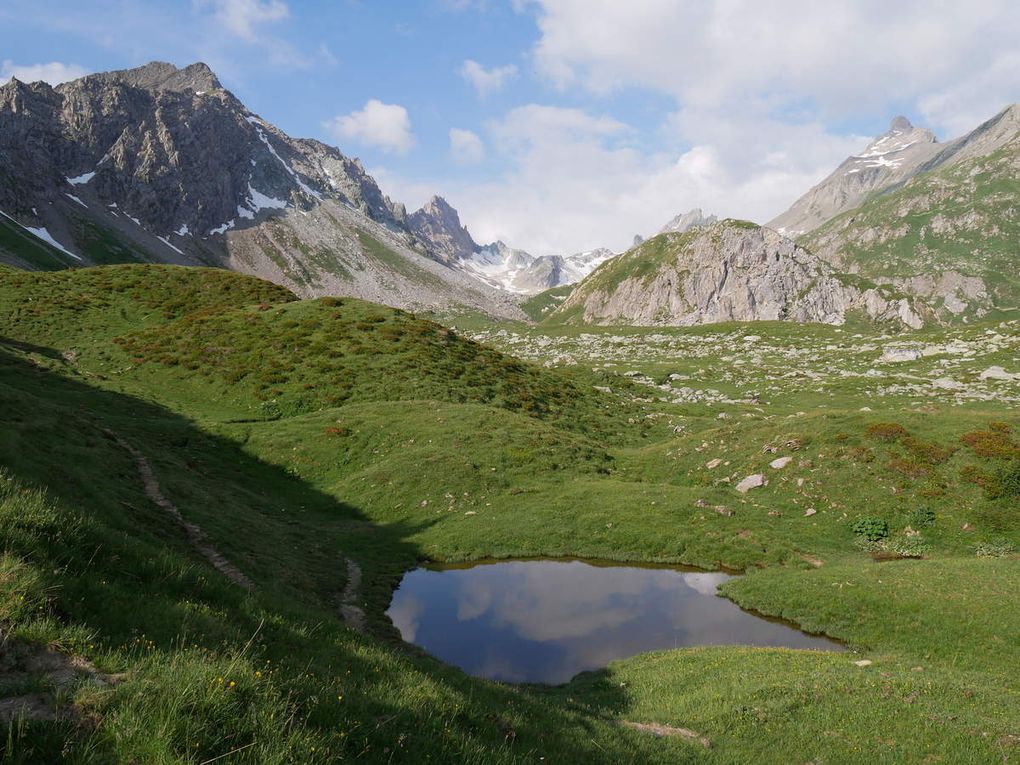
(729, 271)
(686, 221)
(896, 155)
(439, 228)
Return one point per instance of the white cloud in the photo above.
(486, 81)
(54, 72)
(466, 147)
(845, 58)
(242, 17)
(382, 126)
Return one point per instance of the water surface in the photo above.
(545, 621)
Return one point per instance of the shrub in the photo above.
(872, 529)
(997, 548)
(1008, 480)
(885, 431)
(991, 443)
(908, 547)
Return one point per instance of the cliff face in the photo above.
(729, 271)
(439, 228)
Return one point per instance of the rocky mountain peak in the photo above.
(891, 158)
(900, 124)
(693, 218)
(438, 226)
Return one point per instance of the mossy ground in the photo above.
(376, 437)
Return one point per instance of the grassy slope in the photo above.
(546, 467)
(897, 234)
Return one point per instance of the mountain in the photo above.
(950, 234)
(162, 164)
(520, 272)
(728, 271)
(440, 232)
(893, 157)
(438, 226)
(685, 222)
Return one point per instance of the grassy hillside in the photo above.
(382, 440)
(539, 306)
(963, 218)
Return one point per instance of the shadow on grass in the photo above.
(122, 567)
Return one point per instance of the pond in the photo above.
(543, 621)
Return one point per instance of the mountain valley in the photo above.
(244, 393)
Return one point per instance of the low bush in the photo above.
(871, 529)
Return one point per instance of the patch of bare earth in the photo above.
(56, 672)
(664, 731)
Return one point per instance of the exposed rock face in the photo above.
(730, 271)
(170, 147)
(891, 158)
(686, 221)
(164, 164)
(438, 226)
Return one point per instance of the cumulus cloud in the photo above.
(466, 147)
(382, 126)
(243, 17)
(54, 72)
(486, 81)
(845, 58)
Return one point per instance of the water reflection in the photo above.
(545, 621)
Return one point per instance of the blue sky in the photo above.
(561, 125)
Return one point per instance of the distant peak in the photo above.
(436, 202)
(693, 218)
(901, 124)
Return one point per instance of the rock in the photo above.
(863, 663)
(809, 512)
(894, 355)
(947, 383)
(602, 389)
(998, 373)
(752, 481)
(865, 409)
(723, 510)
(713, 464)
(779, 464)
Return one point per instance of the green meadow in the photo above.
(308, 437)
